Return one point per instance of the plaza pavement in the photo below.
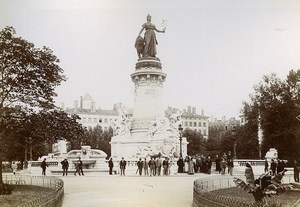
(105, 190)
(101, 189)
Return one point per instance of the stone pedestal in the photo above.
(151, 133)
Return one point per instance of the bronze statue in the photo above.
(147, 46)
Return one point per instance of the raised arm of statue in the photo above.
(161, 31)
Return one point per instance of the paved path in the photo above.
(115, 191)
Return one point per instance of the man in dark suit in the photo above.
(44, 165)
(65, 166)
(79, 167)
(110, 165)
(122, 166)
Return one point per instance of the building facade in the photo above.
(90, 117)
(191, 120)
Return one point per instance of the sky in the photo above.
(213, 51)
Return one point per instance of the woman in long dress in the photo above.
(150, 38)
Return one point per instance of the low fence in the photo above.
(52, 199)
(202, 197)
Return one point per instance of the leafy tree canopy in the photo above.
(28, 77)
(276, 103)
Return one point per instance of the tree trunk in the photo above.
(1, 180)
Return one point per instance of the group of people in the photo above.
(203, 164)
(277, 166)
(157, 166)
(195, 164)
(153, 167)
(223, 162)
(65, 167)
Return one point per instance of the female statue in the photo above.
(150, 41)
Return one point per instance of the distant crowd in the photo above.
(190, 164)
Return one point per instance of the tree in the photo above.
(213, 146)
(247, 135)
(277, 103)
(196, 142)
(46, 127)
(28, 77)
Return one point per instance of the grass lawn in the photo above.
(22, 194)
(284, 199)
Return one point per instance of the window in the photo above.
(195, 124)
(204, 132)
(186, 123)
(191, 123)
(199, 124)
(105, 120)
(90, 119)
(100, 120)
(204, 124)
(95, 119)
(83, 119)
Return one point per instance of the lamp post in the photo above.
(233, 132)
(180, 129)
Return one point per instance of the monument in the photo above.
(149, 132)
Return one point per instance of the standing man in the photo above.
(266, 165)
(122, 166)
(65, 166)
(44, 166)
(158, 164)
(296, 171)
(218, 163)
(280, 166)
(14, 167)
(165, 166)
(180, 164)
(79, 167)
(110, 165)
(140, 166)
(152, 166)
(145, 165)
(230, 163)
(209, 164)
(273, 167)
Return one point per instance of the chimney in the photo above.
(117, 106)
(202, 112)
(93, 106)
(189, 109)
(194, 110)
(81, 100)
(76, 104)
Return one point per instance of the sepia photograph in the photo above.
(140, 103)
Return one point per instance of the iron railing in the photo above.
(52, 199)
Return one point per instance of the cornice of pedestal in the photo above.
(148, 70)
(148, 62)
